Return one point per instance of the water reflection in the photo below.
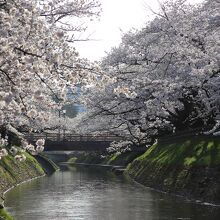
(91, 194)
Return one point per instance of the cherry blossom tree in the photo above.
(37, 62)
(164, 77)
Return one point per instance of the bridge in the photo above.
(75, 142)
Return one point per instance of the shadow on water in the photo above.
(78, 193)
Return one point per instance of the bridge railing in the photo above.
(70, 137)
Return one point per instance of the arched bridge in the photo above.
(75, 142)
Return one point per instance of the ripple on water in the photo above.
(88, 194)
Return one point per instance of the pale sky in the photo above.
(117, 16)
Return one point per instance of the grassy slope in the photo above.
(196, 151)
(87, 157)
(188, 166)
(13, 172)
(122, 159)
(112, 159)
(5, 215)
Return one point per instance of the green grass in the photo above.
(122, 159)
(202, 151)
(5, 215)
(89, 157)
(72, 160)
(181, 166)
(111, 159)
(13, 172)
(33, 163)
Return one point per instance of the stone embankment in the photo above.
(13, 173)
(188, 167)
(114, 162)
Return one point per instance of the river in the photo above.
(97, 194)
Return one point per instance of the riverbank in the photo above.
(13, 173)
(187, 167)
(115, 162)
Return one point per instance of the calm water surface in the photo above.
(91, 194)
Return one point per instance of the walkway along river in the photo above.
(97, 194)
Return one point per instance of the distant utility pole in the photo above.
(59, 112)
(64, 116)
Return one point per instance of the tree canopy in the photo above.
(38, 61)
(164, 78)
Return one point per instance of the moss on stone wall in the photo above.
(13, 172)
(110, 159)
(189, 167)
(88, 157)
(122, 159)
(4, 215)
